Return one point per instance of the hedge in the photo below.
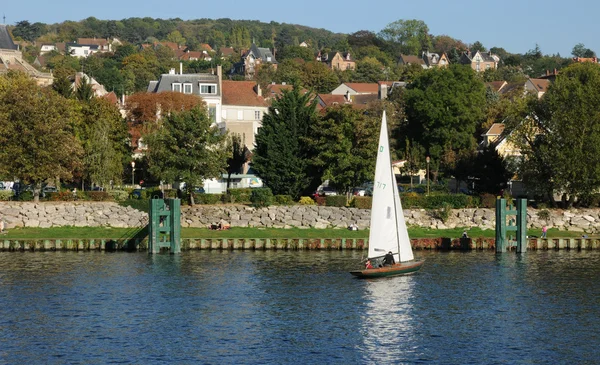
(261, 197)
(335, 200)
(5, 195)
(284, 200)
(240, 196)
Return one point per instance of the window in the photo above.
(240, 114)
(208, 88)
(187, 88)
(176, 87)
(212, 113)
(488, 66)
(257, 114)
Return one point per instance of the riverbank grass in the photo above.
(237, 232)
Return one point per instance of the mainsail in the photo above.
(388, 228)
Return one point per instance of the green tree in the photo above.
(240, 154)
(490, 171)
(84, 91)
(581, 51)
(281, 157)
(563, 155)
(319, 77)
(36, 132)
(104, 138)
(29, 32)
(444, 108)
(62, 85)
(185, 147)
(477, 46)
(407, 36)
(176, 37)
(345, 145)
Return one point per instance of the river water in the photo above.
(289, 307)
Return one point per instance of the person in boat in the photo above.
(388, 259)
(368, 265)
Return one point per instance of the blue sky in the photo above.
(515, 25)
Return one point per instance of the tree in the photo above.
(84, 91)
(186, 147)
(62, 85)
(490, 171)
(281, 157)
(319, 77)
(563, 156)
(240, 155)
(36, 132)
(407, 36)
(29, 32)
(477, 46)
(345, 145)
(581, 51)
(104, 138)
(444, 108)
(176, 37)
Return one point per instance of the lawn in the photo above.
(116, 233)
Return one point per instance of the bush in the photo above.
(5, 195)
(362, 202)
(261, 197)
(241, 196)
(544, 214)
(118, 195)
(320, 200)
(284, 200)
(488, 200)
(335, 200)
(25, 196)
(63, 196)
(442, 213)
(207, 199)
(97, 196)
(306, 200)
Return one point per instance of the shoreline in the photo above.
(295, 244)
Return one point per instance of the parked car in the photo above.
(326, 191)
(48, 189)
(418, 190)
(359, 191)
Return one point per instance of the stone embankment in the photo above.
(109, 214)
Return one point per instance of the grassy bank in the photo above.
(115, 233)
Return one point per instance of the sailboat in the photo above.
(388, 233)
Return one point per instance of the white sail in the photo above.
(388, 228)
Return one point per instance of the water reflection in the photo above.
(388, 319)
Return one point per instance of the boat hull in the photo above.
(396, 269)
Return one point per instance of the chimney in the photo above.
(172, 71)
(220, 77)
(181, 68)
(348, 95)
(383, 91)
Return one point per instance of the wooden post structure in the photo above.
(517, 224)
(165, 225)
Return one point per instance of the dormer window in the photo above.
(268, 59)
(176, 87)
(210, 89)
(187, 88)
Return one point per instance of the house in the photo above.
(537, 86)
(207, 86)
(12, 59)
(226, 52)
(479, 61)
(104, 45)
(97, 88)
(47, 47)
(435, 60)
(325, 101)
(496, 86)
(243, 107)
(411, 60)
(584, 59)
(252, 60)
(356, 88)
(497, 136)
(337, 60)
(82, 50)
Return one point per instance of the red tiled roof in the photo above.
(112, 97)
(96, 41)
(330, 100)
(364, 87)
(241, 93)
(540, 84)
(206, 47)
(496, 85)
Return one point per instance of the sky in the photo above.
(515, 25)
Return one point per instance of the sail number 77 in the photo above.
(380, 185)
